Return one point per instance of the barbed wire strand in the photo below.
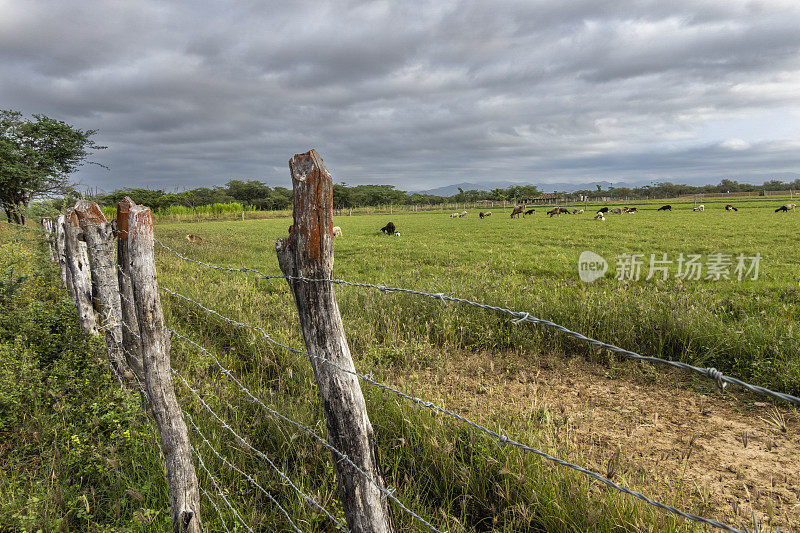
(242, 473)
(219, 490)
(519, 317)
(258, 452)
(387, 493)
(211, 500)
(503, 439)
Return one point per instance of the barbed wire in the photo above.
(219, 490)
(236, 469)
(503, 439)
(519, 317)
(312, 433)
(211, 500)
(258, 452)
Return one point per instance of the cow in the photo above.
(337, 231)
(528, 212)
(194, 239)
(603, 210)
(580, 211)
(389, 229)
(786, 208)
(599, 216)
(631, 210)
(617, 210)
(729, 207)
(700, 207)
(558, 211)
(517, 211)
(665, 208)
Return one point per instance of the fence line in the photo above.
(143, 250)
(211, 501)
(519, 317)
(242, 473)
(503, 439)
(323, 442)
(258, 452)
(219, 489)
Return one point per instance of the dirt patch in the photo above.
(723, 456)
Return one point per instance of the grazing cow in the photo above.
(389, 229)
(700, 207)
(481, 215)
(194, 239)
(575, 211)
(786, 208)
(396, 233)
(665, 208)
(462, 214)
(599, 216)
(603, 210)
(528, 212)
(487, 214)
(631, 210)
(558, 211)
(517, 211)
(455, 215)
(580, 211)
(617, 210)
(337, 231)
(729, 207)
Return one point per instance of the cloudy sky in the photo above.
(413, 93)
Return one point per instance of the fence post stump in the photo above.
(49, 226)
(308, 252)
(183, 487)
(78, 262)
(66, 275)
(99, 237)
(131, 343)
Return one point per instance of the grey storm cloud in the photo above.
(413, 94)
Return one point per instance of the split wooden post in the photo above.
(99, 237)
(78, 262)
(49, 226)
(66, 275)
(308, 252)
(184, 493)
(130, 341)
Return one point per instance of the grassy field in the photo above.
(454, 477)
(459, 480)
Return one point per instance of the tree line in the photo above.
(38, 155)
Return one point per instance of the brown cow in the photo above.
(194, 239)
(517, 211)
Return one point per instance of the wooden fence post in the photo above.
(131, 343)
(183, 487)
(66, 275)
(308, 252)
(99, 237)
(49, 226)
(78, 262)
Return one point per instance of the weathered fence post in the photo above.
(49, 226)
(66, 276)
(78, 262)
(99, 237)
(308, 252)
(183, 487)
(130, 329)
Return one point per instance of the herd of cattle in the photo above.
(600, 215)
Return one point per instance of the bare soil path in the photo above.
(679, 441)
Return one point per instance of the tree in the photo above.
(36, 158)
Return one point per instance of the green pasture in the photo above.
(458, 479)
